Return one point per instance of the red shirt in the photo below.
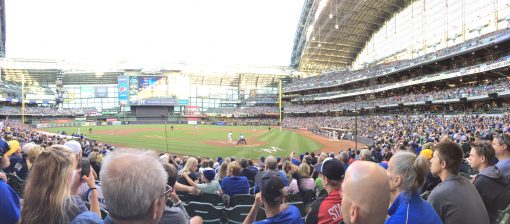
(326, 210)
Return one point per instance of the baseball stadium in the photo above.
(314, 111)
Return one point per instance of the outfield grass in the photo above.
(186, 140)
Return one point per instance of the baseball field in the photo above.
(209, 140)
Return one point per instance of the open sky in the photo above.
(153, 32)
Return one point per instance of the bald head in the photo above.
(132, 182)
(366, 193)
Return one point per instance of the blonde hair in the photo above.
(34, 153)
(234, 168)
(47, 195)
(223, 170)
(187, 167)
(304, 170)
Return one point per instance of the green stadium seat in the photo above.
(213, 199)
(208, 212)
(301, 206)
(241, 199)
(504, 216)
(237, 214)
(425, 195)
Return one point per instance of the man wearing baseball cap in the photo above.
(328, 209)
(271, 195)
(9, 199)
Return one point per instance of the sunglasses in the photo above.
(168, 189)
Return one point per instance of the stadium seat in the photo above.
(241, 199)
(295, 197)
(322, 193)
(252, 183)
(213, 199)
(504, 216)
(425, 195)
(261, 214)
(208, 212)
(237, 214)
(187, 197)
(308, 196)
(16, 183)
(301, 206)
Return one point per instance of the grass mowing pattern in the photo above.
(185, 140)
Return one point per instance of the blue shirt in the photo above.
(504, 167)
(420, 211)
(9, 204)
(235, 185)
(291, 215)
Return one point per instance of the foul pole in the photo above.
(280, 101)
(22, 98)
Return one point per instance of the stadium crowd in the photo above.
(242, 111)
(339, 77)
(48, 111)
(500, 85)
(417, 171)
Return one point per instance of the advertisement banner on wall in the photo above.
(123, 85)
(87, 91)
(101, 92)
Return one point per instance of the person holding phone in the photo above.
(51, 192)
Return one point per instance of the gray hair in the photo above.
(131, 181)
(344, 157)
(271, 163)
(366, 155)
(412, 168)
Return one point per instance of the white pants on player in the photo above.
(230, 139)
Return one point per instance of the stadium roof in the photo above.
(331, 33)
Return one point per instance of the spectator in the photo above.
(76, 149)
(222, 173)
(366, 193)
(306, 182)
(176, 214)
(386, 159)
(135, 188)
(406, 172)
(210, 186)
(9, 199)
(271, 196)
(344, 158)
(233, 183)
(271, 166)
(51, 192)
(327, 209)
(455, 200)
(15, 156)
(189, 170)
(489, 182)
(290, 169)
(501, 144)
(246, 171)
(431, 181)
(95, 159)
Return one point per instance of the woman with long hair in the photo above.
(189, 169)
(50, 193)
(222, 171)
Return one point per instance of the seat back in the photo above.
(308, 196)
(237, 214)
(504, 216)
(213, 199)
(241, 199)
(208, 212)
(301, 206)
